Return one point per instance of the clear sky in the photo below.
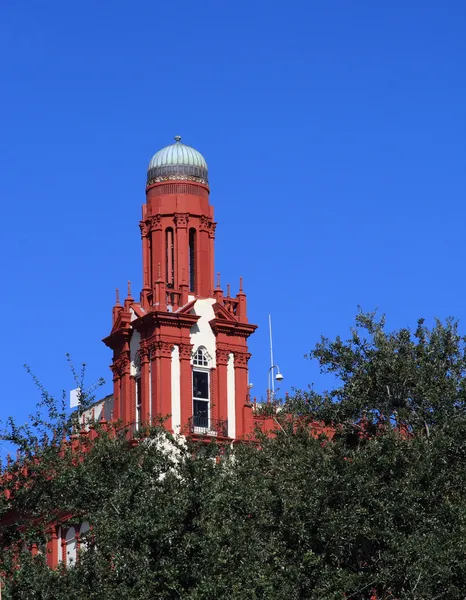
(335, 137)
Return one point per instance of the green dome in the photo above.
(177, 162)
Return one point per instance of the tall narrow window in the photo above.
(138, 402)
(201, 399)
(192, 260)
(150, 265)
(201, 390)
(170, 258)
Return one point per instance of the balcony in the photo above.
(201, 425)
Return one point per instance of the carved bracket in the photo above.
(185, 351)
(144, 352)
(181, 219)
(155, 222)
(152, 223)
(222, 356)
(160, 349)
(121, 365)
(241, 359)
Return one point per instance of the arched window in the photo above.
(71, 546)
(151, 266)
(170, 258)
(192, 260)
(201, 357)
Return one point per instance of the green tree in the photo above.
(374, 509)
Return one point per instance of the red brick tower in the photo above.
(181, 352)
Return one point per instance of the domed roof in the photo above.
(177, 162)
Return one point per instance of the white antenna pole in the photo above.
(272, 384)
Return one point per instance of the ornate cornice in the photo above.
(232, 328)
(162, 178)
(121, 331)
(158, 319)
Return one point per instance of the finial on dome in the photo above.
(177, 139)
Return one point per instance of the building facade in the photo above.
(180, 352)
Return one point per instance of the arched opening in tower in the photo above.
(170, 258)
(192, 260)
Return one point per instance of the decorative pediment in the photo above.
(222, 314)
(138, 310)
(186, 309)
(123, 321)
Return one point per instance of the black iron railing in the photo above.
(206, 426)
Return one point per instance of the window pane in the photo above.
(201, 385)
(201, 413)
(200, 358)
(201, 408)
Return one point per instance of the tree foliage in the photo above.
(375, 510)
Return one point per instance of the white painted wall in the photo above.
(231, 396)
(176, 389)
(95, 410)
(201, 332)
(133, 349)
(105, 406)
(71, 547)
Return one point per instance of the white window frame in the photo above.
(206, 361)
(204, 367)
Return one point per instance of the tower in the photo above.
(181, 352)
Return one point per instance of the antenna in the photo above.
(278, 376)
(271, 384)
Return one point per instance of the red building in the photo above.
(181, 350)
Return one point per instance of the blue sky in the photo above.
(335, 137)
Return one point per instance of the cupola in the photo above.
(177, 162)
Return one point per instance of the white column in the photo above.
(231, 396)
(176, 395)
